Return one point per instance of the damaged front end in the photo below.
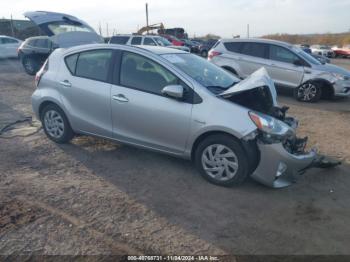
(282, 154)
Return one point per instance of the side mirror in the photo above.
(174, 91)
(298, 63)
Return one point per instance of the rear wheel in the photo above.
(222, 160)
(308, 92)
(30, 65)
(204, 53)
(56, 125)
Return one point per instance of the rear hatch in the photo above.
(65, 30)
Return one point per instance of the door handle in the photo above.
(120, 98)
(66, 83)
(307, 72)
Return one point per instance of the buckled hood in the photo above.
(258, 79)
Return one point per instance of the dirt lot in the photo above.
(96, 197)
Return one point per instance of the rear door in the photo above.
(141, 114)
(85, 90)
(252, 57)
(281, 67)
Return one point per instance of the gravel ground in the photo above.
(97, 197)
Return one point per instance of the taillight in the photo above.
(41, 72)
(213, 53)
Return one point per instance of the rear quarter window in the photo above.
(71, 62)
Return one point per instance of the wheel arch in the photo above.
(250, 147)
(326, 86)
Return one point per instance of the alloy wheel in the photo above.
(307, 92)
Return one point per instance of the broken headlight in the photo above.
(272, 128)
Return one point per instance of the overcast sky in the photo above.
(221, 17)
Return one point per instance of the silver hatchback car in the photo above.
(173, 102)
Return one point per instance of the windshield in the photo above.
(64, 27)
(306, 56)
(162, 41)
(204, 72)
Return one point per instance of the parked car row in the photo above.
(288, 66)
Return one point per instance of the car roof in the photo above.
(256, 40)
(7, 36)
(38, 37)
(158, 50)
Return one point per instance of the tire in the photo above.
(56, 125)
(30, 65)
(204, 53)
(308, 92)
(222, 174)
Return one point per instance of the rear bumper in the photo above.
(277, 167)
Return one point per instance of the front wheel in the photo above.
(308, 92)
(222, 161)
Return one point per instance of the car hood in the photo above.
(64, 39)
(258, 79)
(332, 69)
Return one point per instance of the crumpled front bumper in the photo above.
(278, 168)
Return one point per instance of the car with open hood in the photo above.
(288, 66)
(173, 102)
(61, 30)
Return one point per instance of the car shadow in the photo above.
(237, 218)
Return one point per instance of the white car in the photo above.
(322, 50)
(146, 40)
(8, 46)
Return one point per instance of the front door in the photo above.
(141, 114)
(282, 69)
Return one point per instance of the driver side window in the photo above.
(282, 54)
(143, 74)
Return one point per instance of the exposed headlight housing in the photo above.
(271, 127)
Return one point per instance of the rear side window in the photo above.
(94, 64)
(71, 62)
(136, 40)
(42, 43)
(254, 49)
(149, 41)
(282, 54)
(233, 46)
(121, 40)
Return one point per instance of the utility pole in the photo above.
(247, 30)
(12, 31)
(147, 16)
(107, 30)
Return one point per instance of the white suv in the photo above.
(287, 65)
(151, 40)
